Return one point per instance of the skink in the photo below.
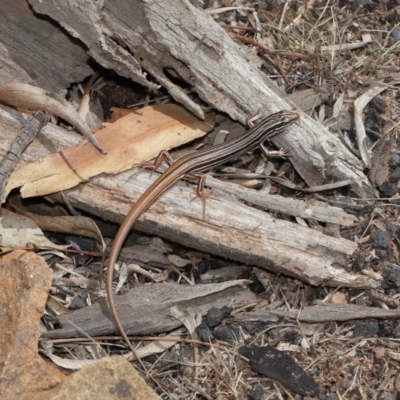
(196, 162)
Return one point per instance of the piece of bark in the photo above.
(382, 155)
(37, 51)
(18, 145)
(309, 99)
(164, 35)
(286, 205)
(224, 274)
(361, 135)
(231, 229)
(20, 231)
(22, 95)
(307, 209)
(145, 310)
(344, 312)
(337, 312)
(275, 364)
(51, 138)
(257, 316)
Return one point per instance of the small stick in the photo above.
(18, 145)
(273, 62)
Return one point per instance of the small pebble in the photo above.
(216, 315)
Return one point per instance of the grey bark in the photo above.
(18, 145)
(146, 310)
(36, 50)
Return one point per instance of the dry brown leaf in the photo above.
(380, 352)
(17, 230)
(359, 104)
(67, 363)
(116, 114)
(133, 139)
(338, 298)
(76, 225)
(159, 346)
(397, 382)
(178, 261)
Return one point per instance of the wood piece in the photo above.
(230, 229)
(337, 312)
(18, 145)
(346, 312)
(50, 139)
(37, 51)
(145, 310)
(286, 205)
(359, 104)
(309, 99)
(254, 316)
(165, 35)
(320, 188)
(381, 158)
(26, 96)
(224, 274)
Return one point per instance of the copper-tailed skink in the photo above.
(193, 163)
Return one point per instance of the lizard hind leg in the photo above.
(153, 166)
(201, 178)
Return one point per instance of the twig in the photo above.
(285, 7)
(359, 105)
(274, 63)
(240, 28)
(177, 339)
(22, 95)
(19, 144)
(303, 9)
(314, 189)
